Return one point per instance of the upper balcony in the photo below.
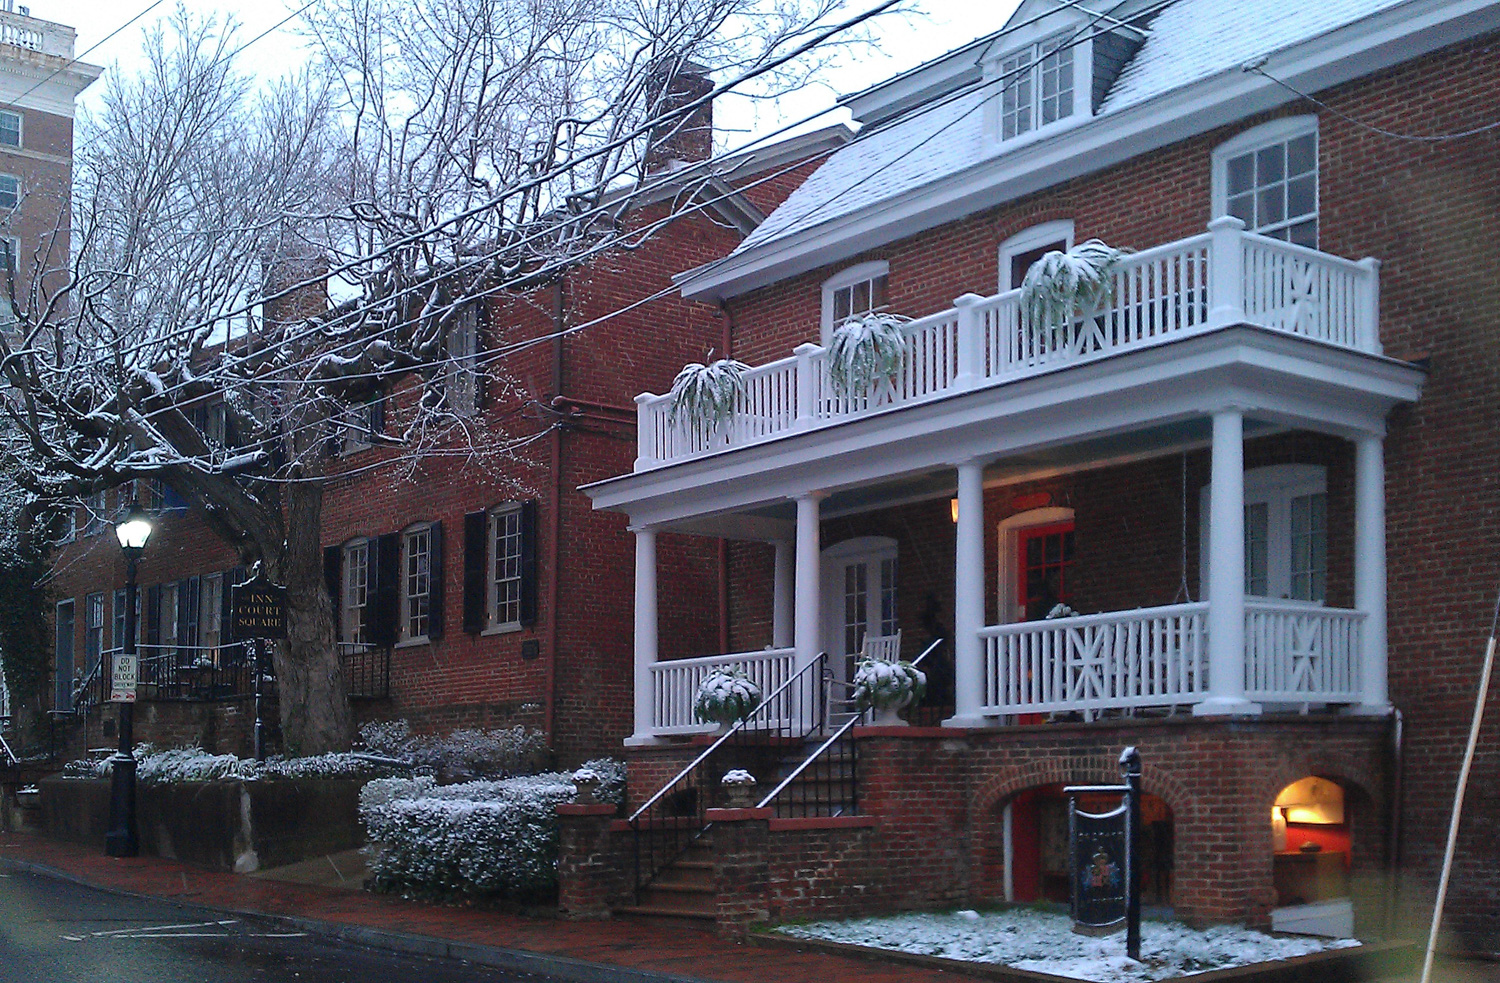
(34, 34)
(1171, 292)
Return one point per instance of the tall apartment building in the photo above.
(39, 84)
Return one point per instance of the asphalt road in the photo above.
(53, 931)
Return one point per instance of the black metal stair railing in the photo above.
(671, 820)
(826, 783)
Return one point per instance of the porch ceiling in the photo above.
(1143, 403)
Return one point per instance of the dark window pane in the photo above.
(1302, 155)
(1243, 208)
(1269, 207)
(1241, 174)
(1270, 164)
(1305, 234)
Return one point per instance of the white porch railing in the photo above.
(674, 685)
(1301, 653)
(1141, 658)
(1170, 291)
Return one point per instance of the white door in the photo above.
(859, 597)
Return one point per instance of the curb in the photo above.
(564, 968)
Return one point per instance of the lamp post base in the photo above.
(120, 840)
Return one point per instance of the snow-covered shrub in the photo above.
(172, 765)
(704, 396)
(486, 838)
(611, 772)
(468, 754)
(865, 350)
(1061, 285)
(388, 737)
(726, 696)
(887, 685)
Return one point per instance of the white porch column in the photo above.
(1226, 570)
(783, 595)
(645, 630)
(1369, 570)
(808, 607)
(968, 599)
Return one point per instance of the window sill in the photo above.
(407, 643)
(501, 629)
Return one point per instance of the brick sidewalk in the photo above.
(645, 947)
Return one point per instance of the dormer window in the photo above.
(1038, 86)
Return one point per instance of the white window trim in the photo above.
(869, 549)
(1083, 91)
(462, 373)
(20, 129)
(1265, 135)
(19, 190)
(1028, 239)
(493, 626)
(404, 640)
(346, 634)
(1275, 485)
(845, 278)
(1008, 542)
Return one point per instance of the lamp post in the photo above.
(120, 840)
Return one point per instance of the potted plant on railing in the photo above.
(705, 396)
(1062, 286)
(725, 697)
(887, 688)
(865, 351)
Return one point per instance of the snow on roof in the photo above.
(1190, 40)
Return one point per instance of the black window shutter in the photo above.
(386, 602)
(333, 558)
(153, 616)
(475, 554)
(528, 562)
(435, 582)
(377, 415)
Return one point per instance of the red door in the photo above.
(1045, 557)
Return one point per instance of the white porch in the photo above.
(1210, 341)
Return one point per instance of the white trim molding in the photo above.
(1028, 239)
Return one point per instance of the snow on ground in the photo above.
(1044, 942)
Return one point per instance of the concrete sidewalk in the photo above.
(623, 951)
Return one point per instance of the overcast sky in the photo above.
(905, 42)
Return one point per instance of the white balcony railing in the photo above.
(674, 685)
(1158, 657)
(1223, 277)
(1301, 653)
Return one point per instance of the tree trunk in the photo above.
(315, 712)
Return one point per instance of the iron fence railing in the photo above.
(668, 822)
(175, 673)
(367, 670)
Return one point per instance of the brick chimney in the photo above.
(682, 137)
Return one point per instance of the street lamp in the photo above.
(121, 840)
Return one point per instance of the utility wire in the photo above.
(1255, 68)
(79, 57)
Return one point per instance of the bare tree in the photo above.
(443, 153)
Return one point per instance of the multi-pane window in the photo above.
(355, 624)
(1257, 548)
(1046, 556)
(10, 191)
(853, 293)
(416, 583)
(1273, 187)
(1286, 532)
(888, 619)
(211, 611)
(117, 635)
(96, 516)
(10, 129)
(1309, 534)
(856, 599)
(167, 620)
(1037, 87)
(463, 365)
(505, 567)
(93, 628)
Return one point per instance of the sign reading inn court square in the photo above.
(257, 609)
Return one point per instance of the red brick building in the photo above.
(1256, 478)
(468, 592)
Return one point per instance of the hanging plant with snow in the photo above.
(705, 396)
(882, 685)
(726, 696)
(1063, 285)
(865, 351)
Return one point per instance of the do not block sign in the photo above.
(122, 675)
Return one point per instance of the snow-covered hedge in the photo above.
(485, 838)
(463, 754)
(169, 765)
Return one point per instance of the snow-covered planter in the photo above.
(725, 697)
(887, 687)
(493, 839)
(865, 351)
(1063, 285)
(705, 396)
(739, 788)
(587, 781)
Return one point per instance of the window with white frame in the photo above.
(462, 374)
(96, 515)
(1021, 250)
(10, 191)
(10, 129)
(852, 293)
(1268, 178)
(211, 611)
(416, 583)
(505, 567)
(1037, 86)
(1286, 532)
(354, 625)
